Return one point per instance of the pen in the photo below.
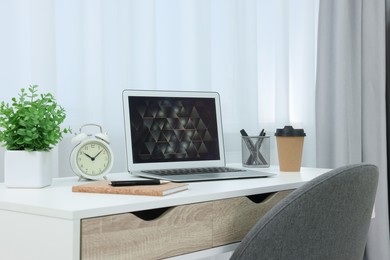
(258, 145)
(243, 132)
(262, 133)
(137, 182)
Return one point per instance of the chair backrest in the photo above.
(326, 218)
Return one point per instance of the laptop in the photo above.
(177, 136)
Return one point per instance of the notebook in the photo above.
(177, 136)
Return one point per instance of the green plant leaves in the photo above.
(32, 122)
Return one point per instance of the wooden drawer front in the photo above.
(179, 230)
(233, 218)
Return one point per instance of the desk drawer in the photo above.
(162, 233)
(176, 231)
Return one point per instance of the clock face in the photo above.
(93, 158)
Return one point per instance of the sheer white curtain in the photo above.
(258, 54)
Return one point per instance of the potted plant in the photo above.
(29, 129)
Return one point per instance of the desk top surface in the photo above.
(59, 201)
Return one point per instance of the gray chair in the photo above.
(326, 218)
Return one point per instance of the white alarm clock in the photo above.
(92, 157)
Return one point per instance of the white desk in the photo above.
(45, 223)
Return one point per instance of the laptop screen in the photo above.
(168, 129)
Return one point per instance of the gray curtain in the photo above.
(350, 99)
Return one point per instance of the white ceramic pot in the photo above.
(24, 169)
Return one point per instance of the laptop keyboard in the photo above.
(194, 171)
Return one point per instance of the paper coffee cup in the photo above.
(289, 143)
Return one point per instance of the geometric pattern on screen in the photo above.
(171, 129)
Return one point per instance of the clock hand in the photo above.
(97, 154)
(90, 157)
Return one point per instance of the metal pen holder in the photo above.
(255, 151)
